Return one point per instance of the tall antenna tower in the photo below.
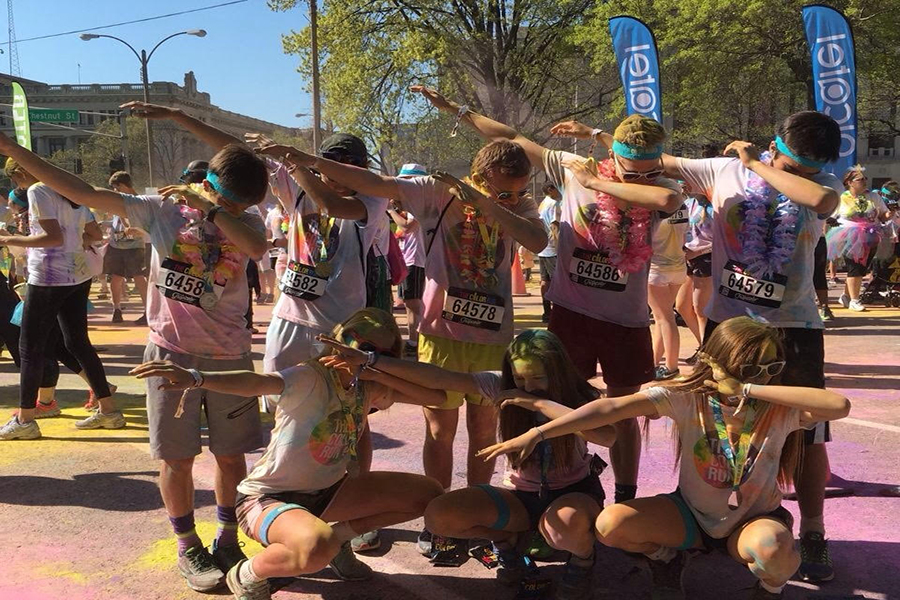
(13, 48)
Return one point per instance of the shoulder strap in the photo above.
(434, 231)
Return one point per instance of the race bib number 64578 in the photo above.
(473, 308)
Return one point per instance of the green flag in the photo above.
(20, 116)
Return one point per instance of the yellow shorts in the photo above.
(464, 357)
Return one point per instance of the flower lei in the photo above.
(623, 236)
(769, 233)
(477, 268)
(226, 257)
(863, 205)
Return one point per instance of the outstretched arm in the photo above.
(327, 199)
(240, 383)
(574, 129)
(64, 183)
(52, 237)
(485, 127)
(211, 136)
(603, 436)
(653, 197)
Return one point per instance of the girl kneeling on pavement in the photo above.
(731, 432)
(305, 499)
(554, 491)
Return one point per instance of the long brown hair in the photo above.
(741, 341)
(565, 387)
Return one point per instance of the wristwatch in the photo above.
(211, 215)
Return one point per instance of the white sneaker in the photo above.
(844, 300)
(98, 420)
(14, 430)
(857, 306)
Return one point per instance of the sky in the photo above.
(240, 62)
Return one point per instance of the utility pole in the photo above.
(317, 109)
(123, 131)
(146, 85)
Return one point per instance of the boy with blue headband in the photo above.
(196, 304)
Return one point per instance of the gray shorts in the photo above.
(547, 265)
(232, 421)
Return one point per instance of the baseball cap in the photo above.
(346, 148)
(412, 170)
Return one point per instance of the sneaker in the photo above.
(246, 591)
(140, 321)
(844, 300)
(99, 420)
(668, 577)
(575, 583)
(13, 430)
(545, 318)
(826, 314)
(693, 358)
(42, 411)
(423, 543)
(228, 556)
(117, 316)
(513, 567)
(199, 569)
(349, 568)
(760, 593)
(102, 296)
(663, 374)
(92, 403)
(366, 542)
(411, 350)
(815, 563)
(857, 306)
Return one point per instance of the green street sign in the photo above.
(62, 115)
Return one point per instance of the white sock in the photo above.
(771, 588)
(246, 573)
(343, 531)
(664, 554)
(816, 524)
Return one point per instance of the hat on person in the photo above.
(195, 171)
(346, 148)
(412, 170)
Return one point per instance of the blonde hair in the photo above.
(638, 130)
(11, 167)
(375, 326)
(851, 173)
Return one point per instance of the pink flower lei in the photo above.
(769, 233)
(623, 236)
(188, 248)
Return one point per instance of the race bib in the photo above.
(678, 217)
(301, 281)
(174, 283)
(275, 252)
(738, 284)
(594, 270)
(476, 309)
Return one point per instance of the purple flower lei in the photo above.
(767, 242)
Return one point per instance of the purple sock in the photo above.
(185, 532)
(228, 527)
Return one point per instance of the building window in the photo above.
(55, 144)
(881, 145)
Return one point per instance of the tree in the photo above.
(98, 152)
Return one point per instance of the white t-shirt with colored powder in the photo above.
(584, 281)
(549, 210)
(704, 476)
(412, 243)
(317, 422)
(60, 265)
(178, 269)
(468, 290)
(325, 281)
(668, 242)
(786, 300)
(527, 478)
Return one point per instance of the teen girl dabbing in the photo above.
(731, 426)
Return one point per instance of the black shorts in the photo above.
(855, 269)
(124, 262)
(804, 366)
(272, 261)
(700, 266)
(535, 506)
(547, 265)
(820, 265)
(414, 284)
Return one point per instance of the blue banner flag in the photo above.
(638, 63)
(834, 75)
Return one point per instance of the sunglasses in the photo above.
(636, 175)
(342, 157)
(752, 371)
(506, 196)
(350, 339)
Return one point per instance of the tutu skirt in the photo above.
(853, 240)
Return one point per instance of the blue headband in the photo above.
(15, 199)
(636, 152)
(800, 160)
(216, 185)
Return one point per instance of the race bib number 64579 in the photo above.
(737, 283)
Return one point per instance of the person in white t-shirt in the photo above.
(667, 273)
(550, 211)
(732, 428)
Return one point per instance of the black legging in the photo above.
(44, 307)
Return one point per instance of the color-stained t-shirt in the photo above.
(60, 265)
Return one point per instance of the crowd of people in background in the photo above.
(628, 245)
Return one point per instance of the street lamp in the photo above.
(144, 58)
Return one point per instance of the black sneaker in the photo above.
(117, 316)
(199, 569)
(667, 577)
(228, 556)
(141, 321)
(815, 563)
(513, 567)
(692, 359)
(760, 593)
(663, 374)
(575, 583)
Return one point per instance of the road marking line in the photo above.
(871, 424)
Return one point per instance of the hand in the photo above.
(339, 363)
(435, 98)
(178, 378)
(516, 397)
(133, 232)
(519, 447)
(722, 381)
(585, 171)
(352, 355)
(287, 154)
(258, 139)
(188, 195)
(572, 129)
(464, 191)
(150, 111)
(746, 151)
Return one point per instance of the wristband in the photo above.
(459, 115)
(198, 377)
(595, 133)
(211, 215)
(745, 390)
(541, 433)
(371, 359)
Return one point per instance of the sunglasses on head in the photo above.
(636, 175)
(506, 196)
(752, 371)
